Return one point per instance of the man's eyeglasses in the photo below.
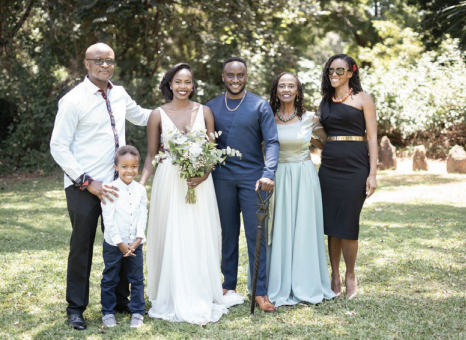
(100, 61)
(339, 71)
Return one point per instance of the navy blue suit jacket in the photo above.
(244, 130)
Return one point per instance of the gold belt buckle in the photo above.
(345, 138)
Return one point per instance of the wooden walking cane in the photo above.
(261, 214)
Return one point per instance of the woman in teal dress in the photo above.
(297, 269)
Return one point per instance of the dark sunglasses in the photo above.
(339, 71)
(100, 61)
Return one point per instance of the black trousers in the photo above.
(84, 210)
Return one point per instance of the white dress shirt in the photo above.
(82, 138)
(125, 218)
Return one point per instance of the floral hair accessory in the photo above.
(354, 67)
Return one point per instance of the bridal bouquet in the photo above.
(193, 153)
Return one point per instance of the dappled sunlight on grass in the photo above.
(411, 271)
(419, 187)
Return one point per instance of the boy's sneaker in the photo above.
(137, 320)
(109, 320)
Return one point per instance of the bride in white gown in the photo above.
(183, 240)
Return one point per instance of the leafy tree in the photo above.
(453, 20)
(42, 46)
(421, 102)
(441, 17)
(357, 22)
(43, 54)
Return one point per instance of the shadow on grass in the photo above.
(411, 270)
(35, 229)
(426, 219)
(237, 324)
(388, 180)
(36, 197)
(359, 318)
(26, 185)
(419, 226)
(414, 247)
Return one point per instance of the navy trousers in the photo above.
(84, 210)
(234, 198)
(113, 259)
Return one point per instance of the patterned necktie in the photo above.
(112, 122)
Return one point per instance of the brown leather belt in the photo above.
(345, 138)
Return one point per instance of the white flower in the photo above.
(195, 150)
(180, 139)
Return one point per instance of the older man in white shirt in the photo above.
(89, 128)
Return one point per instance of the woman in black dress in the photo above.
(349, 162)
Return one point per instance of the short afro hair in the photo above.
(123, 150)
(232, 59)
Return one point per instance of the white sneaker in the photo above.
(137, 320)
(109, 320)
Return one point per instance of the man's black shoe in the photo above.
(76, 321)
(123, 310)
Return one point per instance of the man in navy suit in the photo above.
(246, 121)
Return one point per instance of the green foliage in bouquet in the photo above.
(194, 153)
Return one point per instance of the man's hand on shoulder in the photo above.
(266, 184)
(103, 190)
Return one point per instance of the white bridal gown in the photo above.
(184, 246)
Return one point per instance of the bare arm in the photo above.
(370, 118)
(319, 134)
(209, 121)
(317, 143)
(154, 130)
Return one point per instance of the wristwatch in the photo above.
(82, 182)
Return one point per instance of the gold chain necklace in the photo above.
(236, 108)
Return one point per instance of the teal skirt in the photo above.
(297, 267)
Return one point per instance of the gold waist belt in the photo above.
(345, 138)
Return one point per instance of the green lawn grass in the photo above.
(411, 270)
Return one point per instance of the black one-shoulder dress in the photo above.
(344, 170)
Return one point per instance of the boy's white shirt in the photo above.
(125, 218)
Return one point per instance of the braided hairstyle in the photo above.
(326, 87)
(275, 102)
(167, 78)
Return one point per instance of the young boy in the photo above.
(125, 222)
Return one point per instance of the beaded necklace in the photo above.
(288, 119)
(344, 98)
